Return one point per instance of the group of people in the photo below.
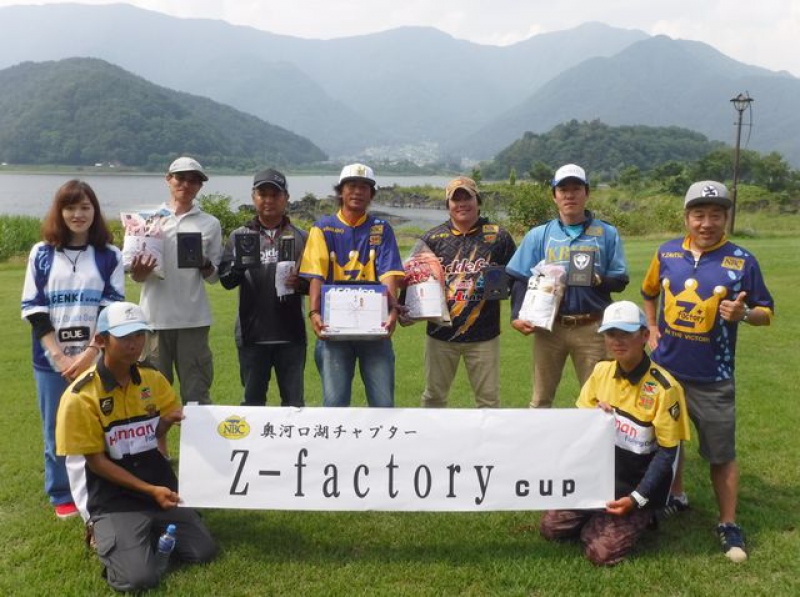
(697, 290)
(104, 367)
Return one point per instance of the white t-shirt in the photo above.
(179, 300)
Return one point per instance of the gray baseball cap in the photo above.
(707, 192)
(187, 164)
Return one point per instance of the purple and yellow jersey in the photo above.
(337, 252)
(696, 343)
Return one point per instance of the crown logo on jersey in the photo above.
(354, 269)
(687, 311)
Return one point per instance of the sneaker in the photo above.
(67, 510)
(675, 505)
(732, 540)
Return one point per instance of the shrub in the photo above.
(17, 235)
(529, 205)
(219, 206)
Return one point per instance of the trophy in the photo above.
(581, 268)
(286, 249)
(495, 283)
(248, 250)
(190, 250)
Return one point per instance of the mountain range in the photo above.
(414, 85)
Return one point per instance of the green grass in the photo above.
(302, 553)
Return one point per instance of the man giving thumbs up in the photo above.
(707, 287)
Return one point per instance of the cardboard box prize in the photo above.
(354, 311)
(425, 301)
(143, 237)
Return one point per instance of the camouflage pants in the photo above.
(606, 538)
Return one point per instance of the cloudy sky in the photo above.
(765, 32)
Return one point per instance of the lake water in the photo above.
(31, 194)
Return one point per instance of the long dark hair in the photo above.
(54, 228)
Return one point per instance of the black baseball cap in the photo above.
(273, 177)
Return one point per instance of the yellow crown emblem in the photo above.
(687, 311)
(354, 269)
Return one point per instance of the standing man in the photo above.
(108, 425)
(650, 412)
(575, 233)
(710, 286)
(177, 305)
(353, 246)
(270, 329)
(466, 245)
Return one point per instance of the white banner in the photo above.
(410, 459)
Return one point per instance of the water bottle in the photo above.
(166, 543)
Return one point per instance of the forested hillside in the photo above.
(83, 111)
(602, 149)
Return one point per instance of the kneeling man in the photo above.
(108, 425)
(651, 421)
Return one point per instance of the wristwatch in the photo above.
(640, 500)
(747, 311)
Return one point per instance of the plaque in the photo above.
(247, 250)
(286, 248)
(495, 283)
(190, 250)
(581, 268)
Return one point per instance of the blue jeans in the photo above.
(336, 362)
(49, 387)
(255, 366)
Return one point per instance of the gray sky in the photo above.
(765, 33)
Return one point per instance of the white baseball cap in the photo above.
(120, 319)
(705, 192)
(623, 315)
(356, 172)
(570, 171)
(187, 164)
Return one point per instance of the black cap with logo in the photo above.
(272, 177)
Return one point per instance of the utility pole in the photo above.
(740, 103)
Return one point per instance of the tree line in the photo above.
(672, 157)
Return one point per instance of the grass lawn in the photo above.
(302, 553)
